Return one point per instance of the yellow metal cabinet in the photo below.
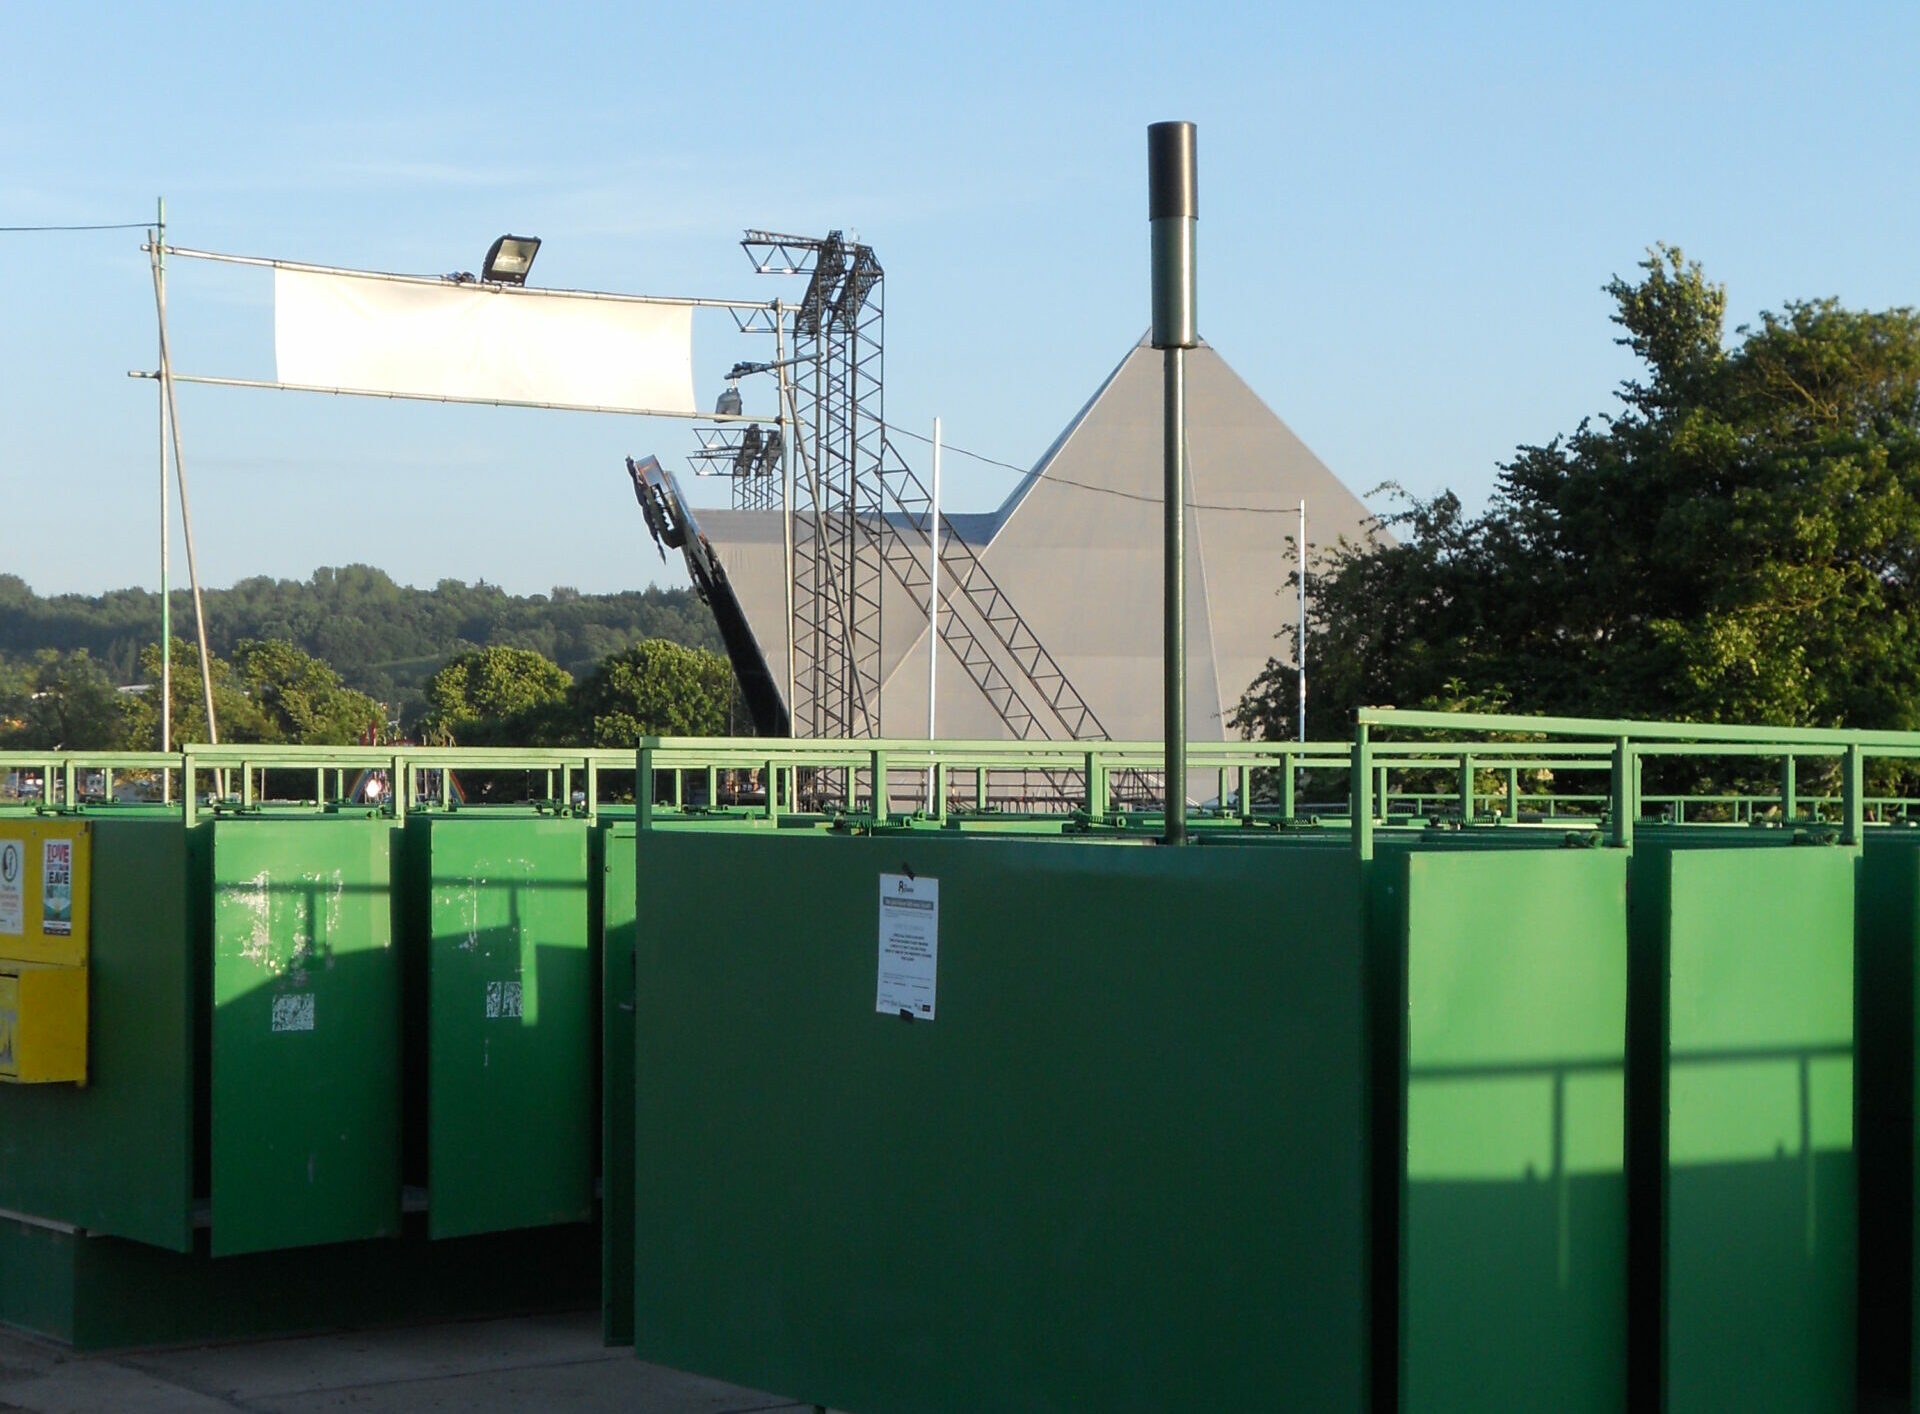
(43, 1023)
(45, 879)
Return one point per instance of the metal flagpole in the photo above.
(158, 243)
(933, 603)
(186, 509)
(1300, 641)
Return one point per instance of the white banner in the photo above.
(481, 341)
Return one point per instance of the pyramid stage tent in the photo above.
(1077, 549)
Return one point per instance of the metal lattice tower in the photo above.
(836, 382)
(859, 512)
(749, 458)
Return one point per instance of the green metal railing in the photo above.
(1629, 745)
(1401, 770)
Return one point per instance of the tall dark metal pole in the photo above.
(1173, 211)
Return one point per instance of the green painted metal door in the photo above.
(1512, 978)
(1123, 1168)
(305, 1085)
(1887, 935)
(1743, 965)
(616, 860)
(511, 1076)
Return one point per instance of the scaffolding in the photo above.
(857, 512)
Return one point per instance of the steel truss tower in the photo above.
(859, 512)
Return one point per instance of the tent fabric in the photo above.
(1076, 547)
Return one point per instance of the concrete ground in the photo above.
(552, 1363)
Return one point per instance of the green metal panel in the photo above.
(617, 871)
(1887, 942)
(1511, 973)
(511, 1023)
(117, 1155)
(36, 1279)
(1123, 1169)
(102, 1293)
(306, 1034)
(1742, 1105)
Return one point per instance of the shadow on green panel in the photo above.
(511, 1024)
(614, 864)
(1743, 1100)
(1761, 1283)
(99, 1293)
(1500, 1297)
(1510, 1106)
(305, 1079)
(1887, 942)
(1122, 1170)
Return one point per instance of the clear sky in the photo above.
(1407, 215)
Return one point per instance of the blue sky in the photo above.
(1407, 215)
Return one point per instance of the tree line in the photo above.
(383, 639)
(272, 691)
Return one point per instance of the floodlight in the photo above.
(745, 460)
(729, 404)
(510, 259)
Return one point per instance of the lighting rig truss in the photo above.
(750, 458)
(834, 381)
(859, 507)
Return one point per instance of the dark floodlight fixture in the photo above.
(746, 460)
(729, 404)
(509, 259)
(860, 281)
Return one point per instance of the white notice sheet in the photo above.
(909, 946)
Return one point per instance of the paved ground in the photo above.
(550, 1363)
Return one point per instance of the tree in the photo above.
(236, 715)
(301, 698)
(63, 702)
(1740, 542)
(492, 696)
(654, 688)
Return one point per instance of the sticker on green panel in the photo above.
(909, 946)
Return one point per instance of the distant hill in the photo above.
(385, 639)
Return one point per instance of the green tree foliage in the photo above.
(494, 696)
(1740, 542)
(384, 639)
(61, 701)
(654, 688)
(270, 692)
(238, 717)
(515, 697)
(300, 698)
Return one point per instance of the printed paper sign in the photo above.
(503, 999)
(13, 872)
(56, 889)
(909, 946)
